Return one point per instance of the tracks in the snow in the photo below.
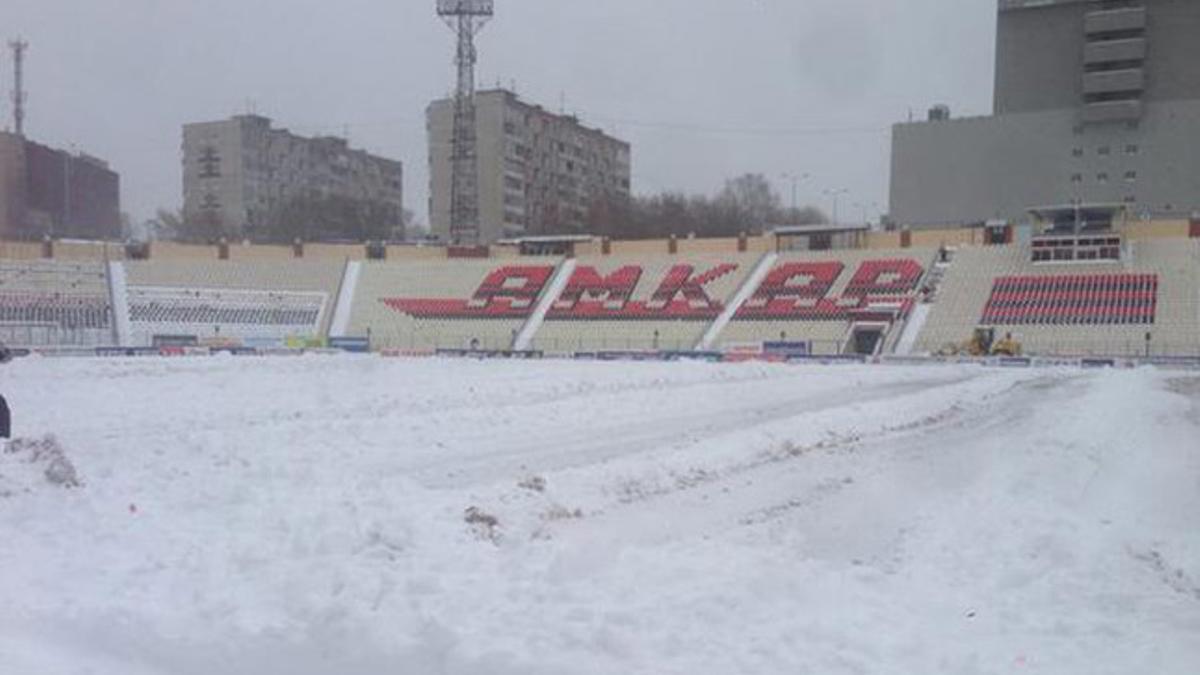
(787, 478)
(554, 447)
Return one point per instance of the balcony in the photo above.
(1115, 51)
(1112, 111)
(1115, 21)
(1132, 80)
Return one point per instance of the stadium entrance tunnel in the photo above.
(866, 340)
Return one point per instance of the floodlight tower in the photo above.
(466, 18)
(18, 47)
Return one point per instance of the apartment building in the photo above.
(540, 173)
(45, 191)
(240, 174)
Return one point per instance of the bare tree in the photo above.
(746, 204)
(166, 225)
(751, 202)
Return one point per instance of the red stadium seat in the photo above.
(1097, 299)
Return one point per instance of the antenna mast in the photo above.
(19, 97)
(466, 18)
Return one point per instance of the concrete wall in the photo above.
(938, 238)
(214, 174)
(1039, 58)
(439, 129)
(246, 253)
(1157, 229)
(971, 170)
(168, 250)
(1173, 58)
(335, 252)
(1040, 50)
(925, 238)
(415, 253)
(88, 250)
(490, 149)
(20, 250)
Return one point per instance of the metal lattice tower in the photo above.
(18, 47)
(466, 18)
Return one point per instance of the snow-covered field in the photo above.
(358, 515)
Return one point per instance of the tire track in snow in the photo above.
(778, 483)
(555, 450)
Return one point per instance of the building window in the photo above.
(1130, 176)
(1077, 178)
(1077, 152)
(1104, 151)
(1132, 149)
(1102, 177)
(1130, 199)
(210, 163)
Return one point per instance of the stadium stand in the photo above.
(902, 301)
(270, 301)
(647, 302)
(54, 304)
(1074, 308)
(819, 298)
(1073, 299)
(456, 304)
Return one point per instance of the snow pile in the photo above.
(356, 515)
(28, 464)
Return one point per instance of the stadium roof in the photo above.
(826, 228)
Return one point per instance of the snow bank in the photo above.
(355, 515)
(28, 464)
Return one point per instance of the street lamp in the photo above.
(835, 193)
(864, 206)
(795, 179)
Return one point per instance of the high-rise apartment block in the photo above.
(240, 173)
(45, 192)
(539, 173)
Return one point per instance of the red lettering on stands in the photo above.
(587, 292)
(794, 291)
(791, 289)
(885, 277)
(682, 295)
(682, 292)
(507, 293)
(879, 290)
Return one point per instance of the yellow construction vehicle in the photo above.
(1007, 347)
(984, 343)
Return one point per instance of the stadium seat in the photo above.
(642, 303)
(1074, 308)
(270, 301)
(810, 297)
(49, 303)
(454, 304)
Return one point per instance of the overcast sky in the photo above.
(703, 89)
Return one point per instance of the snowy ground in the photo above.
(309, 515)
